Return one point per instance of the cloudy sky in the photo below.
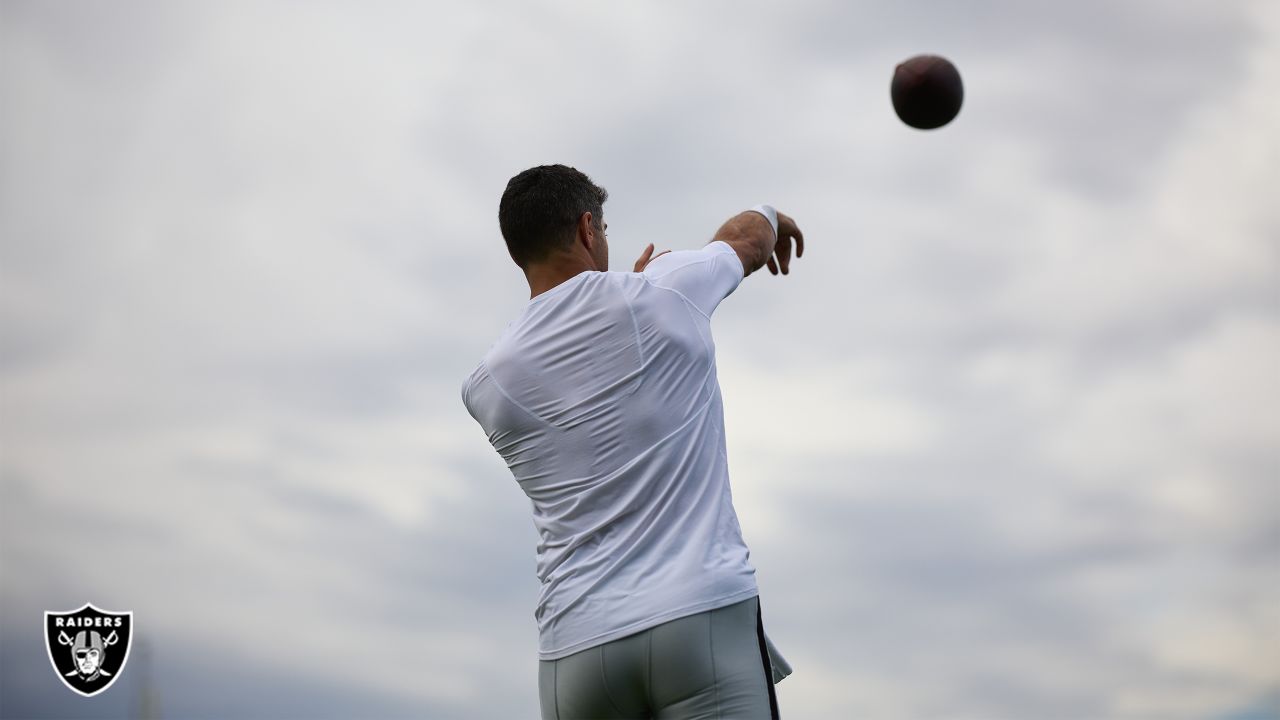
(1004, 445)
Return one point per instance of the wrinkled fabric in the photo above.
(602, 398)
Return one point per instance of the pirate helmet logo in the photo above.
(88, 647)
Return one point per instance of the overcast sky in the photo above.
(1004, 445)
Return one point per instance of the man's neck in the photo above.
(544, 276)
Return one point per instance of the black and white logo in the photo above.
(88, 647)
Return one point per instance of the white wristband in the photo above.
(770, 214)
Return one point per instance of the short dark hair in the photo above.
(540, 209)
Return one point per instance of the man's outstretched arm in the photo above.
(705, 277)
(751, 235)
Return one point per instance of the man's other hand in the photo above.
(645, 258)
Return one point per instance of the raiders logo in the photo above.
(88, 647)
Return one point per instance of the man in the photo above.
(602, 398)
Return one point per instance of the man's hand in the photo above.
(645, 259)
(787, 231)
(751, 236)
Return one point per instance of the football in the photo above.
(926, 91)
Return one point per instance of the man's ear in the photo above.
(586, 231)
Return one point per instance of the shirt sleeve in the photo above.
(703, 277)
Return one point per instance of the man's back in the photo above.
(603, 399)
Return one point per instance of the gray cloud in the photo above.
(1003, 445)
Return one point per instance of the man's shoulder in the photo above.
(474, 375)
(480, 371)
(469, 382)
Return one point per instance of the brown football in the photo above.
(926, 91)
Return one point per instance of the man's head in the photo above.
(553, 210)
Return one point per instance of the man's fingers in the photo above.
(772, 267)
(644, 258)
(787, 228)
(783, 249)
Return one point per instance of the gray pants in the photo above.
(710, 665)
